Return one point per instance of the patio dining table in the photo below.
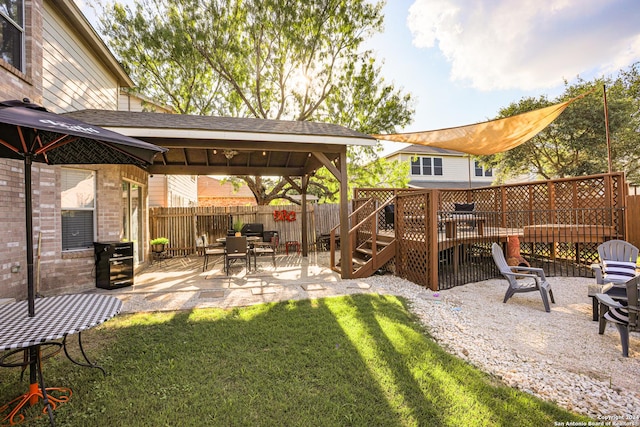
(250, 239)
(55, 318)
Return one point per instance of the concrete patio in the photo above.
(179, 283)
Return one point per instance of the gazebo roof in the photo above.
(207, 145)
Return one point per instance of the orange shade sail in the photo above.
(485, 138)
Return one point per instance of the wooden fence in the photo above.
(633, 220)
(182, 226)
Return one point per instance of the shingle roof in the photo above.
(129, 119)
(423, 149)
(207, 145)
(446, 184)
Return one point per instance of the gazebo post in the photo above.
(345, 241)
(305, 223)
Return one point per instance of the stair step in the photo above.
(365, 251)
(359, 261)
(379, 242)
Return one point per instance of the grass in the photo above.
(359, 360)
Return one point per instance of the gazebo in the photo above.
(207, 145)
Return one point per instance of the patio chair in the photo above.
(213, 249)
(617, 262)
(514, 273)
(625, 317)
(268, 246)
(236, 249)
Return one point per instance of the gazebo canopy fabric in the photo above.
(485, 138)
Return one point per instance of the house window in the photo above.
(426, 166)
(481, 171)
(12, 33)
(78, 208)
(478, 168)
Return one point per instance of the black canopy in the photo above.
(29, 132)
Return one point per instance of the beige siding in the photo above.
(173, 191)
(158, 191)
(132, 102)
(127, 102)
(454, 169)
(182, 190)
(73, 79)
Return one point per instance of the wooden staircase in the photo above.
(372, 255)
(371, 248)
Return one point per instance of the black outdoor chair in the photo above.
(211, 249)
(268, 246)
(236, 249)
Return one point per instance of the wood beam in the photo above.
(329, 164)
(178, 169)
(294, 184)
(244, 145)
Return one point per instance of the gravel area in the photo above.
(556, 356)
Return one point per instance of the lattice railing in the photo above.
(574, 215)
(416, 236)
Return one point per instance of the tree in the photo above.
(575, 143)
(271, 59)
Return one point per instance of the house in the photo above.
(433, 167)
(173, 191)
(56, 59)
(132, 101)
(214, 192)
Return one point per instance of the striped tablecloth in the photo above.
(55, 317)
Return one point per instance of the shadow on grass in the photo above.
(359, 360)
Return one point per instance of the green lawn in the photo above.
(358, 360)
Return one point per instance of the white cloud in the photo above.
(528, 44)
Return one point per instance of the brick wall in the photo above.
(60, 272)
(226, 201)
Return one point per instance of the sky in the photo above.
(464, 60)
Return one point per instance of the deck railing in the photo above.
(565, 245)
(558, 225)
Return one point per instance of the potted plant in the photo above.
(237, 226)
(158, 244)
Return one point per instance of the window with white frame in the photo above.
(78, 199)
(12, 32)
(426, 166)
(481, 171)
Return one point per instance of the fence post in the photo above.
(431, 226)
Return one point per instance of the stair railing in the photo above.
(351, 238)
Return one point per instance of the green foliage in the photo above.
(160, 241)
(238, 224)
(575, 143)
(356, 360)
(271, 59)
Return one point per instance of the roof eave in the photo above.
(197, 134)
